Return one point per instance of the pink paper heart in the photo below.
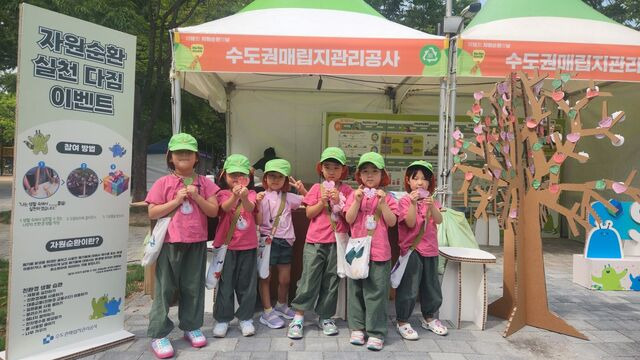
(487, 121)
(531, 123)
(468, 176)
(477, 129)
(532, 169)
(457, 134)
(244, 181)
(503, 87)
(503, 135)
(513, 214)
(480, 138)
(506, 148)
(455, 150)
(476, 109)
(606, 122)
(557, 95)
(591, 93)
(573, 137)
(496, 173)
(619, 187)
(554, 188)
(509, 165)
(369, 192)
(328, 185)
(506, 97)
(478, 95)
(559, 157)
(423, 193)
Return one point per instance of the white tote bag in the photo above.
(357, 255)
(154, 240)
(214, 272)
(342, 239)
(398, 269)
(264, 254)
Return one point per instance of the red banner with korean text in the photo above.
(590, 61)
(308, 55)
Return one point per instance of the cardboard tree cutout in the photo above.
(521, 180)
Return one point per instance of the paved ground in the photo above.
(610, 319)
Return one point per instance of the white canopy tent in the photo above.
(277, 66)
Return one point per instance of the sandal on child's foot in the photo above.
(162, 348)
(434, 325)
(196, 338)
(407, 332)
(357, 337)
(374, 343)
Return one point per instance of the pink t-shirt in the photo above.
(244, 236)
(428, 245)
(270, 205)
(183, 228)
(320, 230)
(380, 247)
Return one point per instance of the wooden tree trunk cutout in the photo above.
(519, 180)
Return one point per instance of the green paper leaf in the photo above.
(535, 184)
(555, 169)
(537, 146)
(494, 122)
(500, 102)
(456, 159)
(466, 144)
(572, 114)
(565, 77)
(601, 185)
(497, 146)
(476, 119)
(557, 83)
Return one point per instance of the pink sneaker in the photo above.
(196, 338)
(162, 348)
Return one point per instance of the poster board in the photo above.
(400, 138)
(71, 186)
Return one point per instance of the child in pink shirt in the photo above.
(237, 205)
(417, 229)
(276, 228)
(370, 208)
(318, 285)
(188, 198)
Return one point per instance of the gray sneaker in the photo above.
(295, 329)
(328, 327)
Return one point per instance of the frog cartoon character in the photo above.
(38, 143)
(610, 279)
(98, 307)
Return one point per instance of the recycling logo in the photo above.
(430, 55)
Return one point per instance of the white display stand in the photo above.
(464, 285)
(487, 232)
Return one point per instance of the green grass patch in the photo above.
(5, 217)
(135, 279)
(4, 285)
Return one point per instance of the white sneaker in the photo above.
(220, 330)
(246, 326)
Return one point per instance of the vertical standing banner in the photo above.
(71, 186)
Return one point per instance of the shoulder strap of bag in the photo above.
(234, 221)
(276, 221)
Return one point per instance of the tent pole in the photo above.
(452, 117)
(227, 117)
(442, 136)
(176, 101)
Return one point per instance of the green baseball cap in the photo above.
(371, 157)
(236, 163)
(281, 166)
(334, 153)
(183, 141)
(422, 163)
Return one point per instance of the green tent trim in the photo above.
(357, 6)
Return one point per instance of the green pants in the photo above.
(318, 285)
(239, 276)
(180, 269)
(368, 300)
(420, 276)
